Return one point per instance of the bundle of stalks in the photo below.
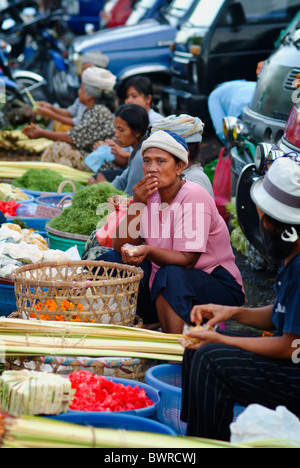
(38, 338)
(36, 432)
(15, 169)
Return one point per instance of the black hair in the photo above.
(195, 152)
(142, 84)
(135, 116)
(108, 99)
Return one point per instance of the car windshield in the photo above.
(204, 13)
(177, 10)
(139, 10)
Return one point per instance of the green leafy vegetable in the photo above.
(89, 208)
(43, 180)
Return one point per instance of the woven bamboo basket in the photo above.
(129, 368)
(86, 291)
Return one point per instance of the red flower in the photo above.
(96, 393)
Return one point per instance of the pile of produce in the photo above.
(43, 180)
(17, 140)
(10, 193)
(36, 338)
(9, 208)
(37, 432)
(97, 393)
(23, 246)
(15, 169)
(88, 211)
(30, 392)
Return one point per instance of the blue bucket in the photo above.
(52, 200)
(7, 300)
(114, 421)
(166, 379)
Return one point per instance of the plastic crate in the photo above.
(7, 300)
(166, 378)
(115, 421)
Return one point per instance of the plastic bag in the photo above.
(105, 234)
(257, 422)
(96, 159)
(222, 184)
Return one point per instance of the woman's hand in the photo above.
(134, 255)
(97, 144)
(213, 313)
(33, 131)
(202, 337)
(143, 190)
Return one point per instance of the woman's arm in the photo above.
(281, 347)
(260, 318)
(33, 131)
(127, 232)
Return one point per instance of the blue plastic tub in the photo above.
(7, 300)
(37, 224)
(166, 379)
(53, 200)
(36, 194)
(115, 421)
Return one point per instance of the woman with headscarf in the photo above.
(65, 119)
(70, 148)
(219, 370)
(176, 234)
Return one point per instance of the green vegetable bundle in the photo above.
(89, 208)
(43, 180)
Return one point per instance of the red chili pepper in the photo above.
(96, 393)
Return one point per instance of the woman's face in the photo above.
(124, 134)
(163, 166)
(134, 97)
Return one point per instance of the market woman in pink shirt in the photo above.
(174, 226)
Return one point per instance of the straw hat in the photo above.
(278, 193)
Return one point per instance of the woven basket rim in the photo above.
(80, 284)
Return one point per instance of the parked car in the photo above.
(143, 49)
(221, 40)
(264, 119)
(80, 13)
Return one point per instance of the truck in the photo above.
(140, 49)
(219, 41)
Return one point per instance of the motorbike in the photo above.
(265, 154)
(38, 49)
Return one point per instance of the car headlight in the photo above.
(228, 126)
(265, 155)
(239, 130)
(261, 155)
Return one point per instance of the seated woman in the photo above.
(137, 90)
(221, 370)
(65, 119)
(178, 236)
(131, 125)
(71, 147)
